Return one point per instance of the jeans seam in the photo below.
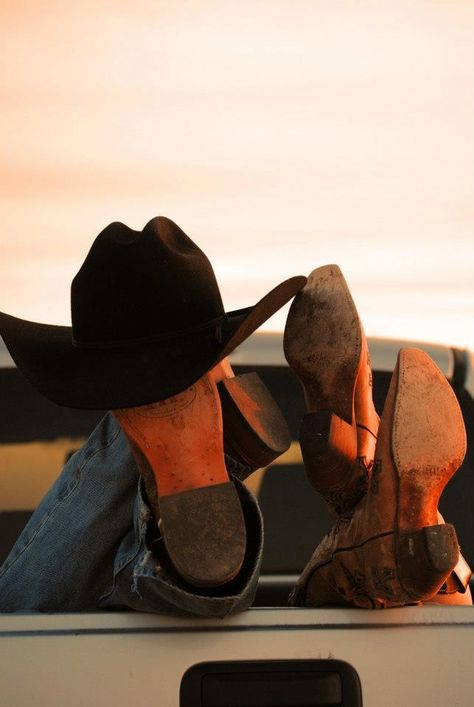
(117, 570)
(59, 501)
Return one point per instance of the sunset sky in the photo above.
(280, 135)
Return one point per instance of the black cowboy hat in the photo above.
(147, 322)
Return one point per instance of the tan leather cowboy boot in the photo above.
(325, 344)
(179, 447)
(178, 444)
(393, 550)
(335, 371)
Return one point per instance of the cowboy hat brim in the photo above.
(134, 373)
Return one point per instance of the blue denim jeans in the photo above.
(92, 543)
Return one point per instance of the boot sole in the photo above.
(200, 514)
(323, 341)
(323, 345)
(428, 445)
(428, 440)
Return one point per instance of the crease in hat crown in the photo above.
(138, 286)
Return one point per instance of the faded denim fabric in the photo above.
(92, 543)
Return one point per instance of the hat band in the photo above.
(216, 323)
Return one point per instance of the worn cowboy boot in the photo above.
(179, 447)
(325, 344)
(338, 458)
(178, 444)
(393, 550)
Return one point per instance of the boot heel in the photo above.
(329, 449)
(214, 521)
(426, 558)
(325, 467)
(255, 431)
(314, 440)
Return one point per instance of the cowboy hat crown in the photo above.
(137, 286)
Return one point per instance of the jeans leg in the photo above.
(92, 543)
(63, 559)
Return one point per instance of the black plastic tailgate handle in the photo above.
(292, 683)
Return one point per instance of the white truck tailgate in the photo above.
(407, 657)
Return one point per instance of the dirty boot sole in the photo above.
(201, 520)
(428, 446)
(428, 438)
(323, 342)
